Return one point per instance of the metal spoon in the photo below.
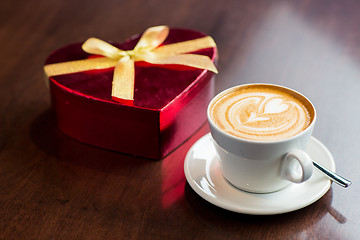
(333, 176)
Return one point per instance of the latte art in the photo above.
(260, 113)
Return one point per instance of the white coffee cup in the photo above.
(263, 166)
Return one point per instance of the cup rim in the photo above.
(217, 96)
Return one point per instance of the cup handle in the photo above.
(297, 166)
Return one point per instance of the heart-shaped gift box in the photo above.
(169, 102)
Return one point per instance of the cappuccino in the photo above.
(262, 112)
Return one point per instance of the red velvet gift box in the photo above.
(169, 102)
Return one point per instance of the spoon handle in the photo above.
(333, 176)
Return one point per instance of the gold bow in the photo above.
(147, 49)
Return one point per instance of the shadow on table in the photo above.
(70, 161)
(45, 134)
(286, 224)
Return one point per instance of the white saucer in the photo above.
(203, 173)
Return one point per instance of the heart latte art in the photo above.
(262, 113)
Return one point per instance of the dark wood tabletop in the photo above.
(54, 187)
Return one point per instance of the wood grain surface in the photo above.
(53, 187)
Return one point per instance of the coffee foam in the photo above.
(262, 113)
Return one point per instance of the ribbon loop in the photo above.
(152, 38)
(100, 47)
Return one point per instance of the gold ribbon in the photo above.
(147, 49)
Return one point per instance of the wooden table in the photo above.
(53, 187)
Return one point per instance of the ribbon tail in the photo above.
(124, 79)
(186, 46)
(78, 66)
(191, 60)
